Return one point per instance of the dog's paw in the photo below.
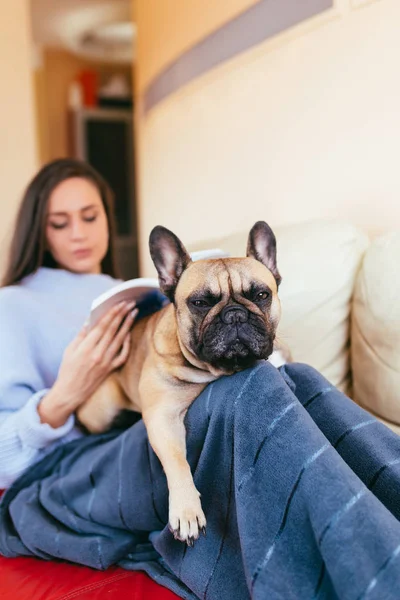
(186, 517)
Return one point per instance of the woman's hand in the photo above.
(86, 363)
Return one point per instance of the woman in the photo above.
(299, 502)
(61, 258)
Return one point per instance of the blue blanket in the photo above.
(300, 487)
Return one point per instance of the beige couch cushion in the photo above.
(376, 330)
(318, 261)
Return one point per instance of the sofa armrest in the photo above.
(375, 348)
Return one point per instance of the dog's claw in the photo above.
(175, 532)
(186, 518)
(203, 531)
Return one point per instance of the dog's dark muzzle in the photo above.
(235, 339)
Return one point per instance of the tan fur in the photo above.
(163, 376)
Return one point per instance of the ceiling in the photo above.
(97, 29)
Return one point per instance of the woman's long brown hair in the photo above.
(28, 246)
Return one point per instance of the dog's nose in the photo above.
(234, 314)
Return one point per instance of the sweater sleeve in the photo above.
(23, 437)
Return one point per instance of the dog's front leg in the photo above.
(167, 435)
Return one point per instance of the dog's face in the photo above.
(227, 310)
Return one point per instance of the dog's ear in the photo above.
(170, 258)
(261, 245)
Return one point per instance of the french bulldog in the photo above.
(222, 318)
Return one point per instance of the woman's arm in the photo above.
(31, 421)
(23, 437)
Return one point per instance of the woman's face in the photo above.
(76, 226)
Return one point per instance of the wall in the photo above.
(168, 28)
(41, 108)
(303, 126)
(18, 153)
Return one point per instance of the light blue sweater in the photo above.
(38, 319)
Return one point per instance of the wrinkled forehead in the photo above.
(220, 276)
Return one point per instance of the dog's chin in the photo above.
(236, 357)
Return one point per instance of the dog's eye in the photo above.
(262, 296)
(200, 303)
(204, 301)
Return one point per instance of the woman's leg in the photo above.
(281, 503)
(370, 448)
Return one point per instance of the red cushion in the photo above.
(34, 579)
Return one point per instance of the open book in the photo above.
(145, 291)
